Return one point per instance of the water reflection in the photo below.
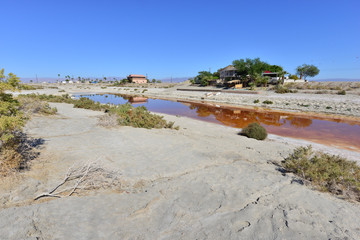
(333, 132)
(240, 118)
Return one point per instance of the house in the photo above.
(229, 73)
(136, 78)
(273, 76)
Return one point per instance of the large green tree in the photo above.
(307, 70)
(250, 70)
(204, 78)
(274, 68)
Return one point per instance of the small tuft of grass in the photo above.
(321, 92)
(326, 172)
(256, 101)
(341, 92)
(254, 130)
(304, 105)
(267, 102)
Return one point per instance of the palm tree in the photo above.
(281, 75)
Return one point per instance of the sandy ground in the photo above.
(201, 182)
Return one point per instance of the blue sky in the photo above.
(177, 38)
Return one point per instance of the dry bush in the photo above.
(35, 106)
(326, 172)
(10, 159)
(16, 153)
(108, 120)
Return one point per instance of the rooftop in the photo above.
(136, 75)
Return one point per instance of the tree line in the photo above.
(249, 71)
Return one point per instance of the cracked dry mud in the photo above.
(201, 182)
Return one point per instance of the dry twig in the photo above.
(89, 176)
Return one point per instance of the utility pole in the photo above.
(37, 79)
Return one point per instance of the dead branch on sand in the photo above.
(88, 176)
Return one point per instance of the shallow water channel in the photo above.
(332, 132)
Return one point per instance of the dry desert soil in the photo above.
(203, 181)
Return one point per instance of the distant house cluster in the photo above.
(229, 75)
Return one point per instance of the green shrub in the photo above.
(321, 92)
(281, 89)
(254, 130)
(295, 77)
(65, 98)
(256, 101)
(267, 102)
(127, 114)
(29, 87)
(11, 121)
(87, 104)
(327, 172)
(304, 105)
(341, 92)
(139, 117)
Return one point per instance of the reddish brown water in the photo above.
(333, 132)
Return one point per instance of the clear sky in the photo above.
(176, 38)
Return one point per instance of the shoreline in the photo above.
(170, 94)
(204, 172)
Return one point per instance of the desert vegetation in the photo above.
(326, 172)
(65, 98)
(324, 87)
(123, 115)
(12, 119)
(138, 117)
(267, 102)
(28, 87)
(254, 130)
(283, 89)
(35, 106)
